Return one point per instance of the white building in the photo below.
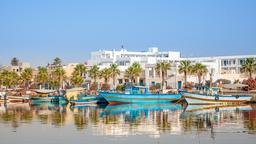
(126, 58)
(227, 67)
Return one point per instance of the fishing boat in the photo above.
(18, 99)
(44, 92)
(84, 100)
(138, 94)
(83, 103)
(195, 98)
(52, 96)
(52, 99)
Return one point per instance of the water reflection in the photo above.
(220, 119)
(134, 119)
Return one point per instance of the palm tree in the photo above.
(14, 61)
(185, 67)
(77, 80)
(9, 78)
(77, 75)
(42, 76)
(27, 76)
(94, 72)
(162, 68)
(137, 69)
(57, 61)
(105, 74)
(249, 66)
(54, 83)
(114, 72)
(1, 78)
(58, 75)
(80, 70)
(134, 71)
(129, 74)
(199, 70)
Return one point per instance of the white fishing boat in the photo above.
(193, 98)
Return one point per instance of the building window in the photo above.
(151, 72)
(225, 63)
(234, 62)
(241, 62)
(120, 81)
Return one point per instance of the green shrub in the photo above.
(224, 81)
(120, 88)
(158, 86)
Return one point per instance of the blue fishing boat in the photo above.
(194, 98)
(138, 94)
(51, 96)
(139, 107)
(84, 100)
(51, 99)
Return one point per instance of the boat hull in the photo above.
(83, 102)
(18, 99)
(115, 99)
(206, 99)
(49, 99)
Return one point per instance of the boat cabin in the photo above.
(136, 90)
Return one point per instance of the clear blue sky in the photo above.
(39, 30)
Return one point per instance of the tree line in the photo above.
(54, 75)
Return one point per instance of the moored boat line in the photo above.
(132, 96)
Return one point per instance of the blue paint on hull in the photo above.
(50, 99)
(139, 98)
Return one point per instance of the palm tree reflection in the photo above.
(123, 120)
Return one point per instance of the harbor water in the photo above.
(49, 123)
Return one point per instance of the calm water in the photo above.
(148, 123)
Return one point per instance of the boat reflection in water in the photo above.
(140, 119)
(136, 108)
(153, 120)
(204, 109)
(236, 118)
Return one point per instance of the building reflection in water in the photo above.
(134, 119)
